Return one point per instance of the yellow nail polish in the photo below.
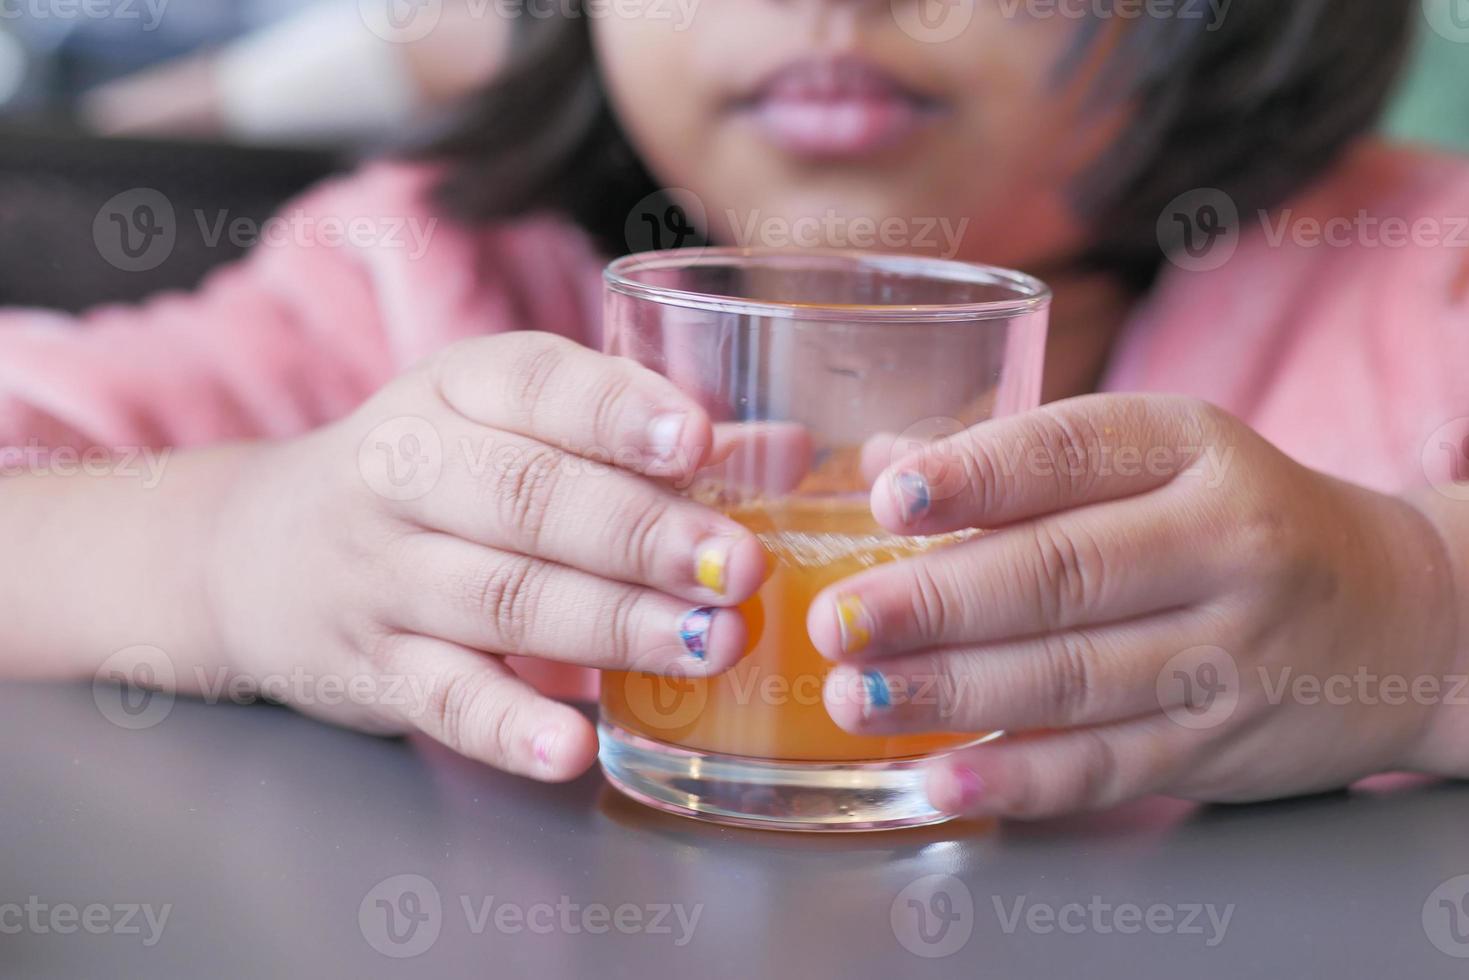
(852, 618)
(710, 567)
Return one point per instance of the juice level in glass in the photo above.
(770, 705)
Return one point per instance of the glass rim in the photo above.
(1033, 295)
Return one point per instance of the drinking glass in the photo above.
(818, 368)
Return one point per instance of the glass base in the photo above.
(826, 796)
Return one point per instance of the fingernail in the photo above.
(710, 564)
(545, 746)
(694, 631)
(914, 495)
(664, 434)
(875, 687)
(854, 623)
(968, 786)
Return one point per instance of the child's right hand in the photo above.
(512, 541)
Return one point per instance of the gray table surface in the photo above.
(277, 846)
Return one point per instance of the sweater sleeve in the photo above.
(349, 284)
(286, 339)
(359, 281)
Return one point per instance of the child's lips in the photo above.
(845, 128)
(836, 108)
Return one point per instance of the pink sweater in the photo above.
(1351, 356)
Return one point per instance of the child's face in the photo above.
(844, 123)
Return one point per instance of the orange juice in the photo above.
(770, 705)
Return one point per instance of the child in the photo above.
(1289, 405)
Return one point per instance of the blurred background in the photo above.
(224, 107)
(278, 72)
(234, 105)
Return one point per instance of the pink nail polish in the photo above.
(969, 787)
(545, 746)
(664, 435)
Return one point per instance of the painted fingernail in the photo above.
(665, 433)
(877, 696)
(968, 788)
(914, 495)
(545, 746)
(694, 631)
(709, 565)
(854, 622)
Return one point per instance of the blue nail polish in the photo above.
(878, 695)
(694, 631)
(914, 495)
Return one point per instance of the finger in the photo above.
(1083, 451)
(516, 494)
(1063, 680)
(1046, 775)
(476, 706)
(510, 604)
(751, 459)
(1055, 574)
(877, 456)
(557, 392)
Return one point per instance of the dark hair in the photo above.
(1256, 105)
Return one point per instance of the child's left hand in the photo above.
(1169, 604)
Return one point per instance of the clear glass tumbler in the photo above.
(819, 368)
